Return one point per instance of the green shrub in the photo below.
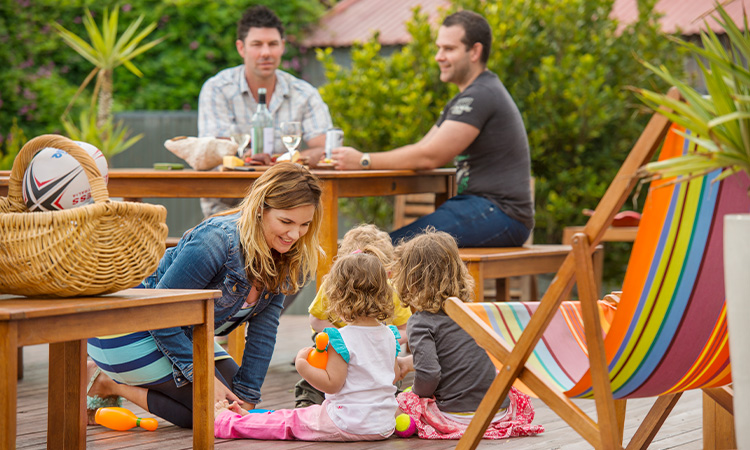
(41, 74)
(566, 63)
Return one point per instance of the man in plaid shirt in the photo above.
(231, 97)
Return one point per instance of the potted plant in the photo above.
(720, 127)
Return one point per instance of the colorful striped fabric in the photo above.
(669, 332)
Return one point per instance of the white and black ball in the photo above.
(55, 180)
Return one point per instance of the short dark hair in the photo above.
(476, 29)
(258, 16)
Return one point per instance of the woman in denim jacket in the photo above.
(255, 254)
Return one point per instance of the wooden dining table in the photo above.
(136, 184)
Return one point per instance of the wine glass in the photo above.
(291, 135)
(241, 137)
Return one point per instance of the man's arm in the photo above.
(436, 149)
(315, 122)
(315, 150)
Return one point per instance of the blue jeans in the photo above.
(473, 220)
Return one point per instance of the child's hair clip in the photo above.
(355, 252)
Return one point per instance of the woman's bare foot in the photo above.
(100, 392)
(103, 385)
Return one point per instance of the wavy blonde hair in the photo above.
(369, 239)
(357, 286)
(428, 270)
(283, 186)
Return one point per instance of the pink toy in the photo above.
(405, 426)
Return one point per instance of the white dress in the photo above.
(366, 404)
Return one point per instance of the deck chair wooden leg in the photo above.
(723, 396)
(620, 407)
(495, 346)
(607, 417)
(653, 421)
(718, 421)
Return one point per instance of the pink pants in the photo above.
(305, 424)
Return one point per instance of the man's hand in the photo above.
(346, 158)
(261, 159)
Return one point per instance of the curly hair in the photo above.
(428, 270)
(357, 286)
(283, 186)
(369, 239)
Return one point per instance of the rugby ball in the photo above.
(55, 180)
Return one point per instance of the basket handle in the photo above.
(98, 188)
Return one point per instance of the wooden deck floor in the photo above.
(682, 429)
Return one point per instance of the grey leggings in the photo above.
(175, 404)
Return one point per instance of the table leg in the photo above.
(203, 380)
(8, 384)
(66, 411)
(329, 229)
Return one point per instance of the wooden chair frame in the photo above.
(578, 268)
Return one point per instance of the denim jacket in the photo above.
(210, 257)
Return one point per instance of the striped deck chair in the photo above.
(668, 335)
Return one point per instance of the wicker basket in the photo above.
(94, 249)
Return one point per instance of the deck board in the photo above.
(682, 430)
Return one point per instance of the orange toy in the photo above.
(122, 419)
(318, 356)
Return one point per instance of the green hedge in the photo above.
(567, 65)
(41, 74)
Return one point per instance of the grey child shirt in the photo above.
(448, 363)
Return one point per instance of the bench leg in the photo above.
(477, 273)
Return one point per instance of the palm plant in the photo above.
(106, 51)
(719, 122)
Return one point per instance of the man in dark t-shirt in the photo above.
(482, 131)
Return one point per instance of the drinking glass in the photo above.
(291, 135)
(240, 136)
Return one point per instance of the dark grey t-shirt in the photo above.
(448, 363)
(497, 165)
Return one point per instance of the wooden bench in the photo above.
(498, 263)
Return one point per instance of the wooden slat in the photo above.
(653, 421)
(607, 418)
(681, 431)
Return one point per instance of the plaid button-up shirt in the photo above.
(225, 99)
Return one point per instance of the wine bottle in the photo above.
(263, 135)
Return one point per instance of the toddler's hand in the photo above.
(302, 354)
(405, 365)
(220, 407)
(236, 408)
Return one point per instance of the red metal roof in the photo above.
(357, 20)
(684, 16)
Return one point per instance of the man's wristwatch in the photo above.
(365, 162)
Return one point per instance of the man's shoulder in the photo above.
(487, 80)
(296, 84)
(226, 77)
